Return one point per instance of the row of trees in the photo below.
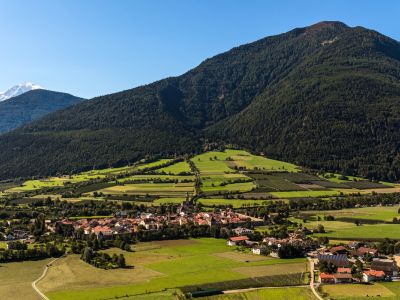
(44, 251)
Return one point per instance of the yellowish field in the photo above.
(271, 270)
(289, 293)
(16, 279)
(159, 189)
(357, 291)
(72, 273)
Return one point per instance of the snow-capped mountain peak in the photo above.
(18, 90)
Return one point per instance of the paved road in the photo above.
(312, 279)
(43, 296)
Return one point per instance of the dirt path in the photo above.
(43, 296)
(312, 279)
(262, 288)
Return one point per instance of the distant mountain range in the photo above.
(31, 105)
(18, 90)
(325, 96)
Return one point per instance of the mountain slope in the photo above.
(325, 96)
(30, 106)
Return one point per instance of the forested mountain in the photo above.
(30, 106)
(325, 96)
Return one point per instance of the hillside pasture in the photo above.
(156, 189)
(176, 169)
(249, 161)
(226, 183)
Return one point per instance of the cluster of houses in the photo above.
(298, 240)
(107, 227)
(377, 268)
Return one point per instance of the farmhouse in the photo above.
(335, 278)
(242, 231)
(373, 275)
(237, 240)
(338, 250)
(360, 252)
(326, 278)
(388, 266)
(259, 250)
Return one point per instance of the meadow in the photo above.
(380, 213)
(158, 266)
(347, 231)
(294, 293)
(16, 279)
(156, 189)
(385, 290)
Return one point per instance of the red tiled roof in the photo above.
(375, 273)
(326, 276)
(338, 248)
(363, 250)
(344, 270)
(239, 238)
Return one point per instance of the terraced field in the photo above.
(246, 178)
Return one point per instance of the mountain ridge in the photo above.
(18, 89)
(32, 105)
(264, 95)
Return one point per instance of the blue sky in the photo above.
(90, 48)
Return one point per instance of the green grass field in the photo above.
(382, 213)
(387, 291)
(213, 162)
(251, 162)
(304, 194)
(150, 177)
(294, 293)
(345, 230)
(176, 169)
(157, 189)
(234, 202)
(157, 266)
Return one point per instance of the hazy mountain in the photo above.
(30, 106)
(19, 89)
(326, 96)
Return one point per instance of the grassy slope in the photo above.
(16, 279)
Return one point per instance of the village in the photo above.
(354, 262)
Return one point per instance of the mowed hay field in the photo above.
(387, 291)
(16, 279)
(293, 293)
(157, 266)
